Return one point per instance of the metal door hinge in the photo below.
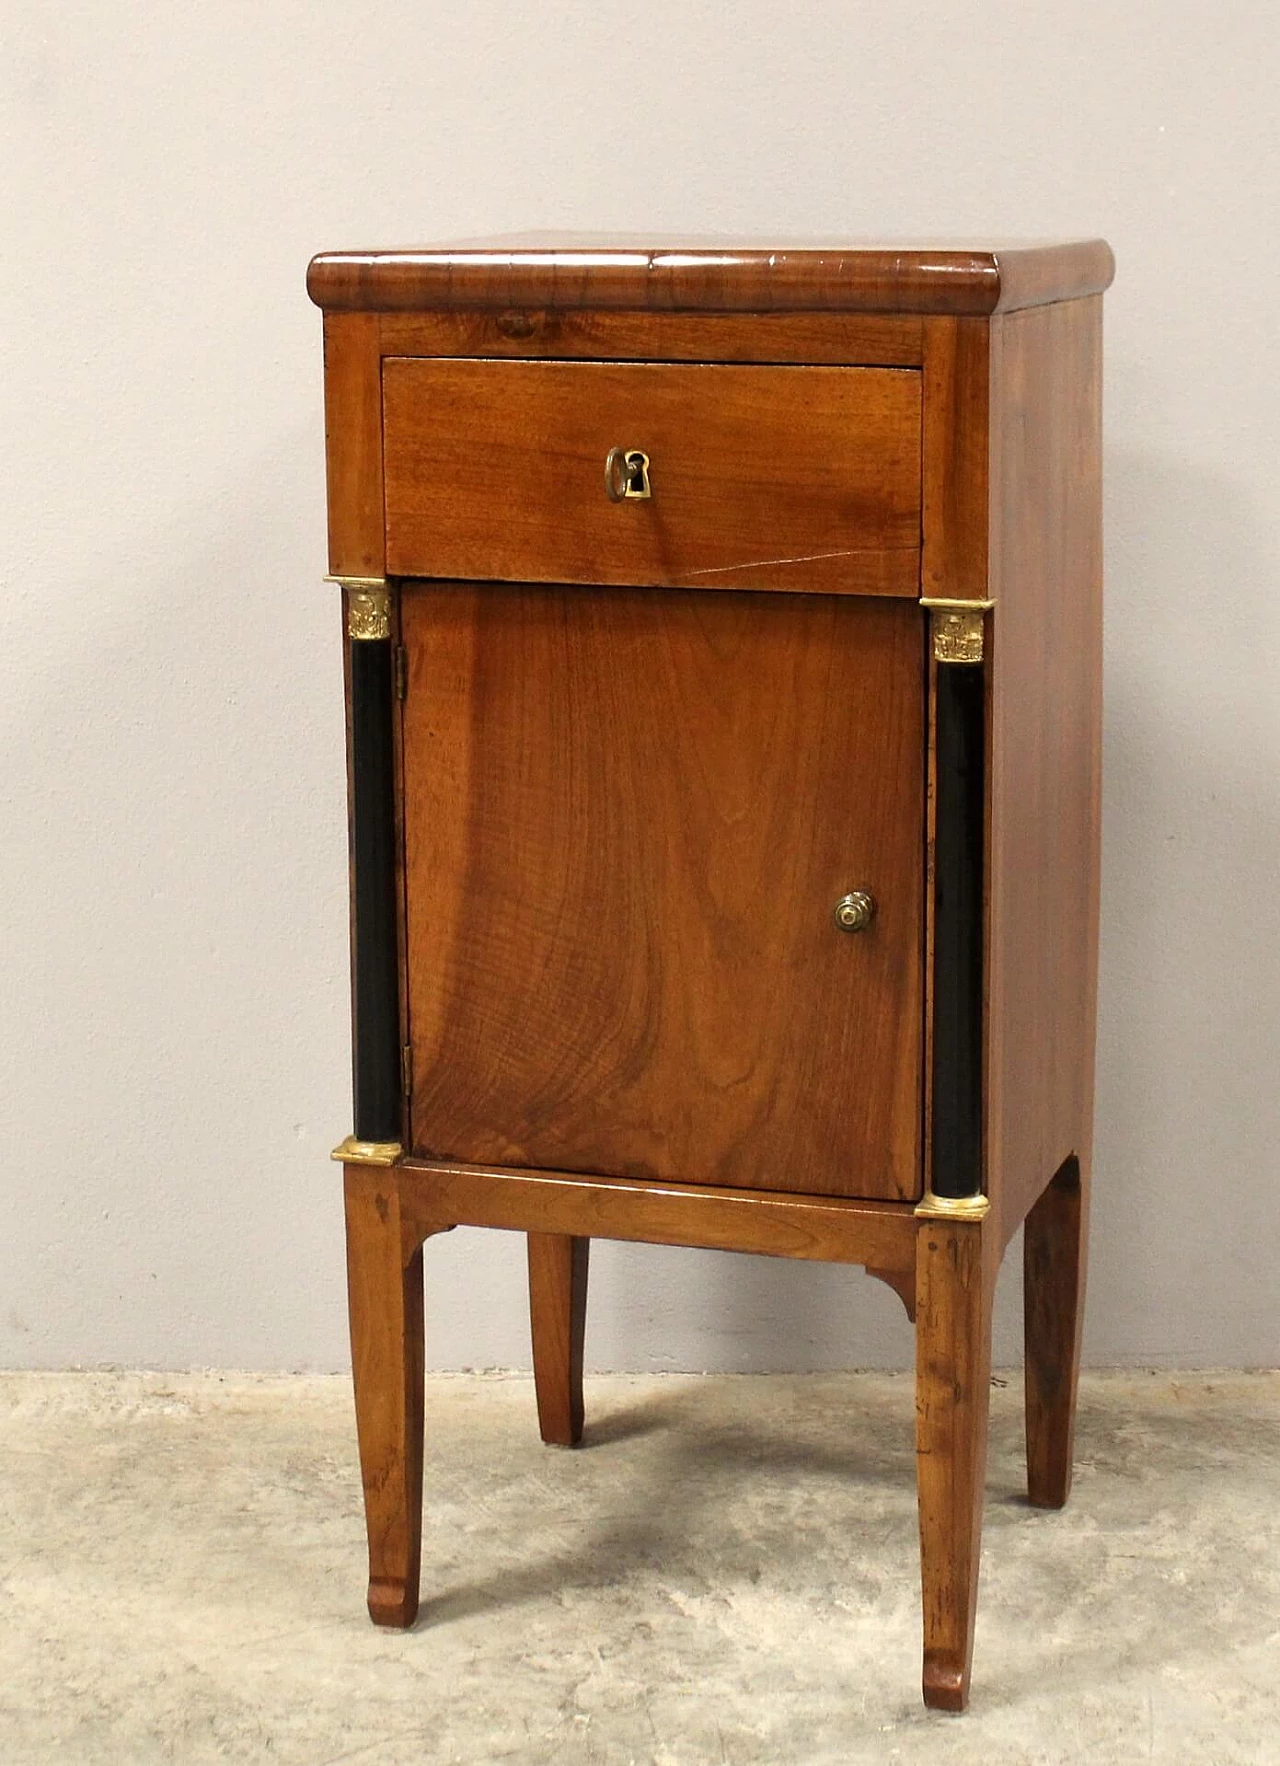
(406, 1070)
(402, 672)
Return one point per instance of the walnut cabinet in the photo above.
(722, 631)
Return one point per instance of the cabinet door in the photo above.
(629, 815)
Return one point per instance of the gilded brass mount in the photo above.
(958, 628)
(368, 606)
(931, 1207)
(354, 1152)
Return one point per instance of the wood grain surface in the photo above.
(1046, 740)
(435, 1195)
(714, 275)
(876, 340)
(558, 1265)
(955, 1282)
(384, 1297)
(628, 817)
(353, 443)
(956, 497)
(634, 788)
(1054, 1258)
(786, 478)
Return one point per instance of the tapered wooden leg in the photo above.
(1053, 1274)
(384, 1290)
(953, 1376)
(558, 1315)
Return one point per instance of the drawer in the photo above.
(629, 817)
(791, 478)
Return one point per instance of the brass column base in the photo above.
(354, 1152)
(931, 1207)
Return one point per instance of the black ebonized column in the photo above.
(376, 1028)
(959, 746)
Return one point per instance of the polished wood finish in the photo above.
(818, 1229)
(558, 1320)
(625, 811)
(391, 1211)
(628, 818)
(1054, 1251)
(954, 1286)
(384, 1286)
(712, 275)
(763, 478)
(841, 339)
(956, 489)
(1046, 748)
(353, 444)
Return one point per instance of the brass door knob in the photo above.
(626, 474)
(854, 912)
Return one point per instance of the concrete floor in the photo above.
(725, 1573)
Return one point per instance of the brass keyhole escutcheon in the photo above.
(854, 912)
(626, 475)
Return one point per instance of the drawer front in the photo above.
(629, 815)
(762, 478)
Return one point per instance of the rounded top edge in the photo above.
(711, 276)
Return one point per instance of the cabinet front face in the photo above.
(629, 815)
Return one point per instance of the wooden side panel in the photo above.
(353, 443)
(1046, 575)
(629, 815)
(768, 478)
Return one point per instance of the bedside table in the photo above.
(723, 635)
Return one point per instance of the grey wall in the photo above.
(174, 1002)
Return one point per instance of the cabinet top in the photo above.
(713, 275)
